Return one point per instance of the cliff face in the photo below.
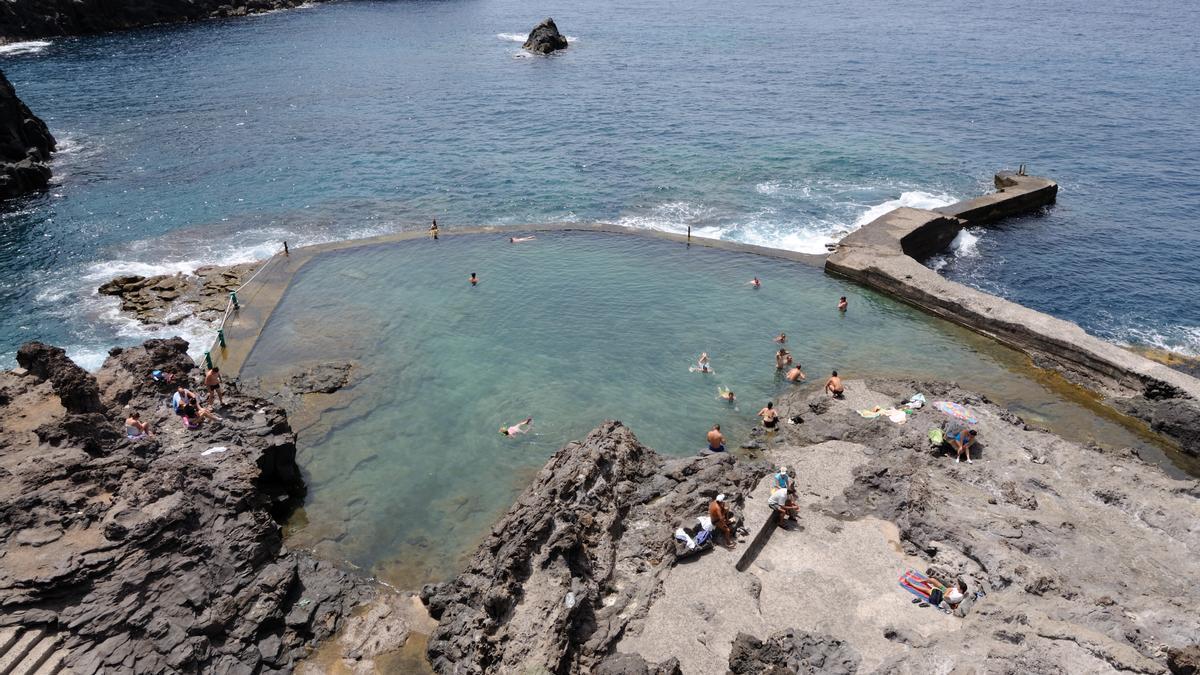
(25, 141)
(162, 554)
(29, 19)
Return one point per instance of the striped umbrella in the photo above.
(956, 410)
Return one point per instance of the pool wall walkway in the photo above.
(886, 255)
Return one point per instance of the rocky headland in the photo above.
(29, 19)
(1083, 556)
(545, 38)
(164, 553)
(25, 142)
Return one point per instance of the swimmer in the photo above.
(702, 364)
(517, 428)
(834, 386)
(474, 279)
(756, 283)
(726, 394)
(795, 374)
(842, 304)
(782, 358)
(770, 418)
(781, 338)
(517, 240)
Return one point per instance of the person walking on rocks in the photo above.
(212, 380)
(716, 441)
(718, 513)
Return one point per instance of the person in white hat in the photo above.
(718, 512)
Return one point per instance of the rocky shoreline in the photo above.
(25, 143)
(31, 19)
(162, 553)
(168, 299)
(1080, 553)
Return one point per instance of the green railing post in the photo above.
(233, 299)
(208, 359)
(221, 336)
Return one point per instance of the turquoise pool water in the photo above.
(407, 469)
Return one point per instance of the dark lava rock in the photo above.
(28, 19)
(149, 556)
(791, 651)
(1185, 661)
(581, 554)
(545, 38)
(25, 141)
(634, 664)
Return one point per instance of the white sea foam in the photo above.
(676, 217)
(966, 243)
(917, 199)
(30, 47)
(1181, 339)
(513, 37)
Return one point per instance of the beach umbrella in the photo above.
(956, 410)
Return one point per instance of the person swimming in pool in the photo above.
(842, 304)
(519, 428)
(726, 394)
(517, 240)
(474, 279)
(756, 283)
(795, 374)
(702, 364)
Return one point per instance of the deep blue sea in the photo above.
(770, 122)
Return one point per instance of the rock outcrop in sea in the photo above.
(167, 299)
(545, 38)
(29, 19)
(25, 142)
(161, 554)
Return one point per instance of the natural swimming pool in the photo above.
(407, 469)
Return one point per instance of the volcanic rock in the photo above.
(30, 19)
(167, 299)
(578, 557)
(150, 555)
(791, 651)
(545, 38)
(25, 141)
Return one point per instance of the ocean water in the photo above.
(768, 122)
(407, 469)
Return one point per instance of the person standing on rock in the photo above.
(834, 386)
(718, 513)
(716, 441)
(212, 380)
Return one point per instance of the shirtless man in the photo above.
(716, 442)
(842, 304)
(474, 279)
(781, 338)
(212, 380)
(770, 418)
(796, 374)
(782, 358)
(518, 428)
(834, 386)
(718, 513)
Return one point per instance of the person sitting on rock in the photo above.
(135, 428)
(716, 440)
(961, 439)
(783, 503)
(187, 405)
(718, 513)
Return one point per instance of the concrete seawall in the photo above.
(885, 254)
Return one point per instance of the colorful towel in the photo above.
(872, 413)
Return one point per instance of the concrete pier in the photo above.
(885, 254)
